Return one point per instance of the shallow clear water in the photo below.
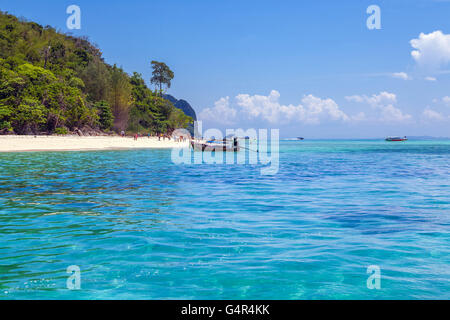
(139, 226)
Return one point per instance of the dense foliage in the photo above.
(152, 111)
(55, 83)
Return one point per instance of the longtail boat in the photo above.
(396, 139)
(233, 146)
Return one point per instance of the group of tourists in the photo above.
(160, 136)
(180, 139)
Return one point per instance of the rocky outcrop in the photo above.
(182, 105)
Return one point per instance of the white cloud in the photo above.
(312, 110)
(315, 107)
(384, 103)
(359, 117)
(442, 101)
(401, 75)
(432, 50)
(392, 114)
(374, 100)
(221, 112)
(430, 79)
(446, 100)
(356, 98)
(430, 114)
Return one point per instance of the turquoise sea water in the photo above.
(141, 227)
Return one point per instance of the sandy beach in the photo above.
(76, 143)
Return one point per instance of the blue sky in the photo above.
(310, 68)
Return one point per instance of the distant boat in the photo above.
(396, 139)
(300, 138)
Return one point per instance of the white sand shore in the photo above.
(76, 143)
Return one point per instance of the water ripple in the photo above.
(141, 227)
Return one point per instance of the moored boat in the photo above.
(233, 146)
(396, 139)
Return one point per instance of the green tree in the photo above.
(5, 113)
(178, 119)
(28, 116)
(97, 80)
(106, 117)
(120, 97)
(161, 75)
